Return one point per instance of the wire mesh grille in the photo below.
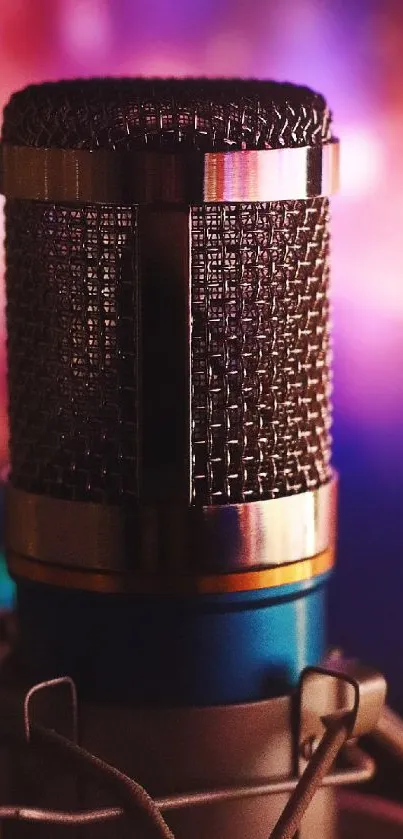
(260, 335)
(205, 114)
(260, 350)
(72, 349)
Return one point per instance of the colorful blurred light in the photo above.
(85, 29)
(361, 161)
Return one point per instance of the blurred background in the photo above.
(353, 53)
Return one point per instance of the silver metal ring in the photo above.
(272, 175)
(142, 177)
(239, 537)
(173, 541)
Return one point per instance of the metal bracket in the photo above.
(342, 687)
(52, 683)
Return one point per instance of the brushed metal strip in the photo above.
(102, 176)
(273, 532)
(171, 539)
(272, 175)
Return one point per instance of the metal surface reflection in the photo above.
(54, 174)
(282, 530)
(272, 174)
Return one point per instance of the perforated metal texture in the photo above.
(260, 350)
(206, 114)
(72, 349)
(259, 283)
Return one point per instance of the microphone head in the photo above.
(257, 353)
(169, 373)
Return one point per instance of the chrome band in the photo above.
(237, 537)
(272, 175)
(182, 585)
(175, 541)
(141, 177)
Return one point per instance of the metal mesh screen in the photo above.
(260, 350)
(259, 301)
(72, 344)
(206, 114)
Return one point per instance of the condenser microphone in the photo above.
(171, 503)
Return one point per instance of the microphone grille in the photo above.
(261, 380)
(72, 312)
(129, 114)
(260, 345)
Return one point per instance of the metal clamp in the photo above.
(52, 683)
(344, 687)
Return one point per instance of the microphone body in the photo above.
(171, 504)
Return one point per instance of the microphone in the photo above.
(170, 514)
(170, 511)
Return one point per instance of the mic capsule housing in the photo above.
(171, 504)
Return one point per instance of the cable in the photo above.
(133, 797)
(321, 761)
